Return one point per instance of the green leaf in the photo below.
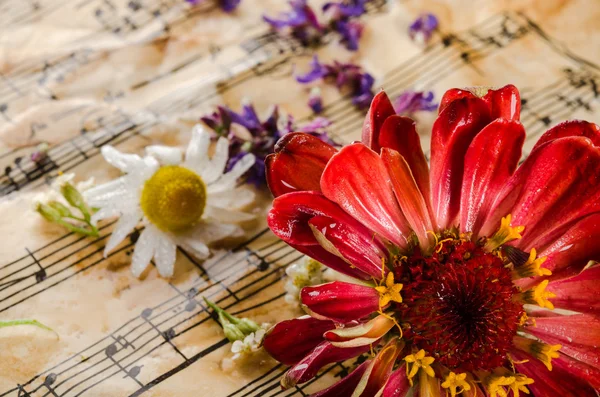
(35, 323)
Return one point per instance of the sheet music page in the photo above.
(80, 74)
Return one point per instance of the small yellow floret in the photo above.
(538, 296)
(531, 268)
(454, 382)
(505, 234)
(174, 198)
(541, 351)
(416, 361)
(390, 292)
(495, 385)
(519, 384)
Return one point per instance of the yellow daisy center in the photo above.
(174, 198)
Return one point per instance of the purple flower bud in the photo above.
(422, 28)
(261, 136)
(226, 5)
(315, 102)
(410, 102)
(350, 33)
(301, 20)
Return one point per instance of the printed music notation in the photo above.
(122, 352)
(264, 55)
(162, 324)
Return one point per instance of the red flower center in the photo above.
(458, 304)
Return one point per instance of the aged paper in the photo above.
(80, 74)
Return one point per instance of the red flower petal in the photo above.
(290, 214)
(578, 334)
(289, 220)
(579, 370)
(397, 385)
(376, 376)
(357, 180)
(567, 256)
(504, 103)
(359, 249)
(325, 353)
(400, 134)
(491, 159)
(452, 95)
(297, 163)
(580, 293)
(571, 128)
(381, 108)
(558, 382)
(291, 340)
(558, 184)
(341, 302)
(347, 385)
(453, 131)
(409, 196)
(332, 261)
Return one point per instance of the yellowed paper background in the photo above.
(83, 73)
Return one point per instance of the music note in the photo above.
(40, 275)
(3, 109)
(168, 335)
(22, 392)
(48, 382)
(132, 373)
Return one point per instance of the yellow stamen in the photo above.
(389, 317)
(531, 268)
(543, 352)
(505, 234)
(440, 244)
(538, 296)
(495, 385)
(519, 384)
(390, 292)
(454, 382)
(417, 361)
(174, 198)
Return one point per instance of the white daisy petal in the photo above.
(237, 198)
(228, 181)
(164, 255)
(166, 155)
(196, 247)
(226, 215)
(196, 155)
(125, 225)
(217, 164)
(144, 250)
(119, 184)
(208, 232)
(105, 212)
(124, 161)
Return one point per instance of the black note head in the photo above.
(111, 350)
(146, 313)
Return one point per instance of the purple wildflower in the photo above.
(346, 76)
(422, 28)
(255, 136)
(350, 32)
(301, 20)
(340, 20)
(40, 154)
(226, 5)
(315, 102)
(345, 9)
(413, 101)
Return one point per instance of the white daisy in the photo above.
(183, 200)
(250, 344)
(305, 273)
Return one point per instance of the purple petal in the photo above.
(317, 71)
(423, 27)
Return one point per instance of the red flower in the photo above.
(458, 265)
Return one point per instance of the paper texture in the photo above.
(83, 73)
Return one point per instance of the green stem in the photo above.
(35, 323)
(217, 309)
(80, 230)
